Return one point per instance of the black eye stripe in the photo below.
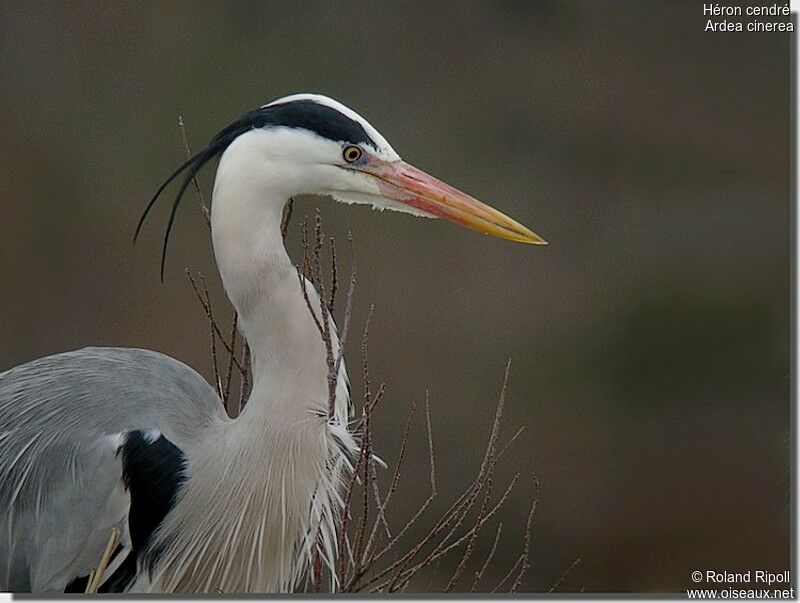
(324, 121)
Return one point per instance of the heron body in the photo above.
(105, 438)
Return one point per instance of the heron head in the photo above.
(312, 144)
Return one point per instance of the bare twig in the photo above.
(397, 575)
(317, 571)
(526, 540)
(287, 217)
(244, 386)
(303, 287)
(312, 267)
(510, 442)
(366, 445)
(431, 496)
(491, 454)
(205, 302)
(334, 276)
(563, 576)
(327, 338)
(393, 483)
(485, 479)
(380, 518)
(364, 459)
(201, 199)
(347, 311)
(96, 577)
(226, 397)
(346, 515)
(468, 550)
(440, 551)
(487, 561)
(508, 574)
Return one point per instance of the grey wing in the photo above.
(62, 420)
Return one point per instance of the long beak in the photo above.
(411, 186)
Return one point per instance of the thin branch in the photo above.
(327, 337)
(487, 561)
(508, 575)
(317, 570)
(287, 217)
(244, 387)
(430, 442)
(526, 547)
(486, 473)
(334, 276)
(468, 550)
(510, 442)
(201, 199)
(452, 518)
(428, 501)
(442, 551)
(563, 577)
(96, 577)
(395, 479)
(346, 513)
(348, 308)
(380, 517)
(205, 302)
(231, 359)
(303, 282)
(366, 444)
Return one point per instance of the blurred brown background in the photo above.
(650, 340)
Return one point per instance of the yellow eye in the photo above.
(352, 153)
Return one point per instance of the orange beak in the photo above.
(411, 186)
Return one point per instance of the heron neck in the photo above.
(289, 371)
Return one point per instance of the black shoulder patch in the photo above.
(153, 472)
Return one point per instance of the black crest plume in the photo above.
(324, 121)
(188, 170)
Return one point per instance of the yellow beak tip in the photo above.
(534, 239)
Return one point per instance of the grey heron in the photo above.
(116, 438)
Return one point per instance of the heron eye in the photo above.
(352, 153)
